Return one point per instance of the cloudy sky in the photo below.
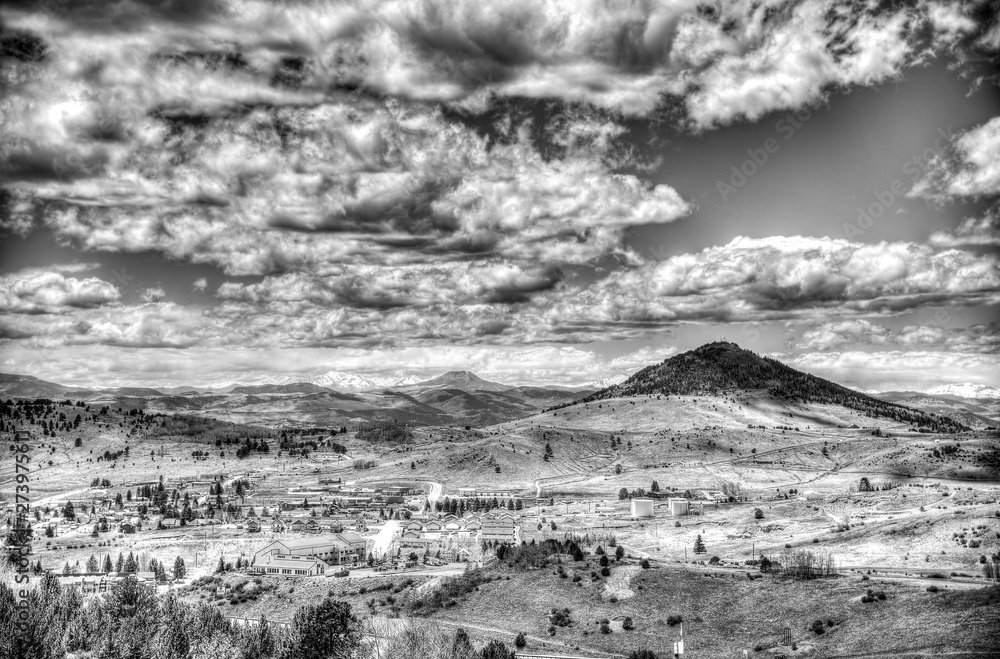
(199, 191)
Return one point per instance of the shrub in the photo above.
(818, 628)
(520, 641)
(644, 564)
(758, 513)
(627, 623)
(605, 626)
(605, 571)
(674, 619)
(873, 596)
(932, 589)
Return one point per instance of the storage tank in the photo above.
(642, 508)
(678, 506)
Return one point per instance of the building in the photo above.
(336, 549)
(289, 565)
(678, 506)
(642, 508)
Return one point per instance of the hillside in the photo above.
(723, 368)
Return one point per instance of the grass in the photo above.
(725, 614)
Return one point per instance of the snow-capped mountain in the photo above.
(344, 381)
(341, 381)
(408, 380)
(604, 383)
(966, 390)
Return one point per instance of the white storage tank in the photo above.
(678, 506)
(642, 508)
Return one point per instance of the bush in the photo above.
(520, 641)
(758, 513)
(674, 619)
(818, 628)
(627, 623)
(873, 596)
(605, 627)
(644, 564)
(932, 589)
(605, 571)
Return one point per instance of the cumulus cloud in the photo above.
(970, 168)
(784, 277)
(896, 370)
(971, 232)
(860, 332)
(35, 292)
(154, 294)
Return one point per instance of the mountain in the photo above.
(461, 380)
(406, 381)
(723, 368)
(604, 383)
(344, 382)
(340, 381)
(976, 413)
(967, 390)
(293, 388)
(31, 387)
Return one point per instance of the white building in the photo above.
(642, 508)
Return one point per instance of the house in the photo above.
(277, 526)
(312, 526)
(298, 526)
(467, 492)
(253, 526)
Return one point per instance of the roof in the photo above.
(350, 536)
(289, 563)
(311, 543)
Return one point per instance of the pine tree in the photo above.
(221, 567)
(120, 563)
(107, 567)
(699, 546)
(180, 571)
(130, 564)
(92, 565)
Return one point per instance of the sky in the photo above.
(197, 193)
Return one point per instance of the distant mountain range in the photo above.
(967, 390)
(454, 397)
(719, 368)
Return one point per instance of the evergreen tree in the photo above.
(107, 567)
(120, 563)
(324, 630)
(92, 565)
(699, 545)
(180, 571)
(461, 647)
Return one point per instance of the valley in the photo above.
(764, 480)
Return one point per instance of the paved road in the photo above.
(383, 539)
